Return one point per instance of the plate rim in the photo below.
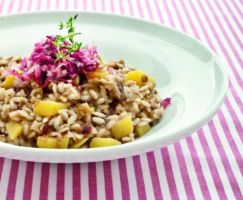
(130, 148)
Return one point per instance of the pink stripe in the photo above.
(20, 5)
(76, 4)
(130, 8)
(94, 5)
(76, 181)
(154, 175)
(168, 13)
(1, 5)
(198, 169)
(224, 160)
(10, 7)
(235, 119)
(169, 173)
(1, 166)
(29, 5)
(123, 178)
(121, 6)
(103, 5)
(60, 182)
(236, 7)
(92, 181)
(48, 4)
(66, 4)
(140, 9)
(38, 5)
(112, 6)
(85, 4)
(151, 16)
(212, 166)
(139, 178)
(57, 4)
(108, 180)
(28, 180)
(12, 180)
(232, 15)
(231, 65)
(184, 171)
(224, 33)
(161, 19)
(237, 76)
(44, 181)
(178, 16)
(231, 141)
(229, 24)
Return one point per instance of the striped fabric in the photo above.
(206, 165)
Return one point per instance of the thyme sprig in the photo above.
(67, 41)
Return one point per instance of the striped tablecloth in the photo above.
(206, 165)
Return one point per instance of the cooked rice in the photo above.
(97, 103)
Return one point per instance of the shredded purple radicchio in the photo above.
(43, 68)
(166, 102)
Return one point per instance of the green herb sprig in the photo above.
(72, 46)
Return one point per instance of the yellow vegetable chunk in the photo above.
(9, 81)
(48, 108)
(122, 128)
(62, 143)
(141, 130)
(14, 129)
(98, 73)
(80, 143)
(46, 142)
(52, 143)
(139, 76)
(103, 142)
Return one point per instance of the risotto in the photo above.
(65, 96)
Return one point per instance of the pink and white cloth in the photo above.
(207, 165)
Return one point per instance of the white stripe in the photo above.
(52, 182)
(230, 18)
(108, 6)
(126, 8)
(232, 8)
(19, 188)
(5, 177)
(5, 8)
(154, 11)
(176, 172)
(232, 128)
(205, 167)
(191, 170)
(116, 180)
(89, 5)
(239, 4)
(84, 181)
(219, 165)
(226, 146)
(211, 36)
(131, 178)
(161, 175)
(234, 105)
(36, 181)
(34, 5)
(68, 189)
(15, 6)
(162, 11)
(134, 5)
(222, 37)
(99, 7)
(100, 182)
(25, 6)
(146, 177)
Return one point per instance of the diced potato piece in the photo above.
(14, 129)
(139, 76)
(141, 130)
(46, 142)
(99, 73)
(62, 143)
(80, 143)
(8, 82)
(48, 108)
(52, 143)
(122, 128)
(103, 142)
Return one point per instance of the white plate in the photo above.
(184, 69)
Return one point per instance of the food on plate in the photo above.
(64, 96)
